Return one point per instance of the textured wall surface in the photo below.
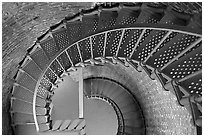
(22, 23)
(163, 114)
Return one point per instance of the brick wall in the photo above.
(22, 23)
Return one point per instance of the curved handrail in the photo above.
(65, 48)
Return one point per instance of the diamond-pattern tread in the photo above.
(143, 38)
(32, 69)
(27, 96)
(171, 49)
(27, 108)
(21, 107)
(74, 54)
(62, 38)
(85, 49)
(26, 81)
(42, 91)
(193, 85)
(112, 42)
(186, 65)
(149, 43)
(107, 19)
(129, 39)
(64, 61)
(40, 58)
(21, 118)
(89, 24)
(75, 30)
(56, 68)
(98, 45)
(45, 83)
(51, 76)
(49, 47)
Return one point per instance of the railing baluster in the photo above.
(91, 44)
(65, 72)
(157, 46)
(57, 47)
(60, 65)
(79, 52)
(141, 35)
(182, 53)
(123, 32)
(104, 48)
(72, 67)
(69, 58)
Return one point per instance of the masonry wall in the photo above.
(22, 23)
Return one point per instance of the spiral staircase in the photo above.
(157, 39)
(129, 114)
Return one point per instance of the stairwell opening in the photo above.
(162, 113)
(100, 117)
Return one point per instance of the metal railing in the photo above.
(104, 32)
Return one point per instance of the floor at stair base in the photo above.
(100, 118)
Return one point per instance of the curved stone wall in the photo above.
(22, 23)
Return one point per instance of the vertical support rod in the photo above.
(121, 38)
(104, 48)
(91, 44)
(69, 58)
(77, 44)
(81, 98)
(138, 41)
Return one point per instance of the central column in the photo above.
(81, 98)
